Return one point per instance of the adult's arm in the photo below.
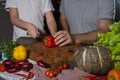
(51, 22)
(63, 37)
(63, 22)
(91, 36)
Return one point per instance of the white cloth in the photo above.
(31, 11)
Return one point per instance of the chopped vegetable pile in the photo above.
(112, 41)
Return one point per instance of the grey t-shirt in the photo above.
(83, 15)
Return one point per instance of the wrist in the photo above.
(73, 36)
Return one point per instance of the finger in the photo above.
(64, 43)
(61, 36)
(58, 33)
(61, 40)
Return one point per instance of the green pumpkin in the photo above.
(94, 59)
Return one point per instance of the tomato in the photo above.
(51, 75)
(65, 66)
(47, 73)
(61, 67)
(55, 73)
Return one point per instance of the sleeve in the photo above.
(106, 9)
(48, 6)
(62, 8)
(10, 3)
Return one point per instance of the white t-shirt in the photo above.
(31, 11)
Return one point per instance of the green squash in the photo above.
(94, 59)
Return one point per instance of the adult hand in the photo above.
(33, 30)
(63, 38)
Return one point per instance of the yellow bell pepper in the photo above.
(20, 53)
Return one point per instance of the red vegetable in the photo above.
(12, 69)
(43, 64)
(103, 78)
(27, 66)
(65, 66)
(91, 77)
(48, 41)
(49, 74)
(29, 76)
(2, 68)
(20, 63)
(8, 62)
(39, 54)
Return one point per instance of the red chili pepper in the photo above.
(91, 77)
(22, 75)
(48, 41)
(28, 76)
(39, 54)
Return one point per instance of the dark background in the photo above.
(6, 28)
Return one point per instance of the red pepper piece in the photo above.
(30, 75)
(48, 41)
(2, 68)
(39, 54)
(22, 75)
(91, 77)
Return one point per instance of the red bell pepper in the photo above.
(49, 42)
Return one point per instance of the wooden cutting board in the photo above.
(51, 55)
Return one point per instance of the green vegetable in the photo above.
(115, 39)
(115, 27)
(117, 65)
(104, 39)
(115, 49)
(112, 41)
(7, 47)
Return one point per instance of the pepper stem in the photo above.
(112, 78)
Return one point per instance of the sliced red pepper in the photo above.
(39, 54)
(91, 77)
(22, 75)
(48, 41)
(28, 76)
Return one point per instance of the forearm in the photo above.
(20, 23)
(64, 23)
(86, 38)
(92, 36)
(52, 25)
